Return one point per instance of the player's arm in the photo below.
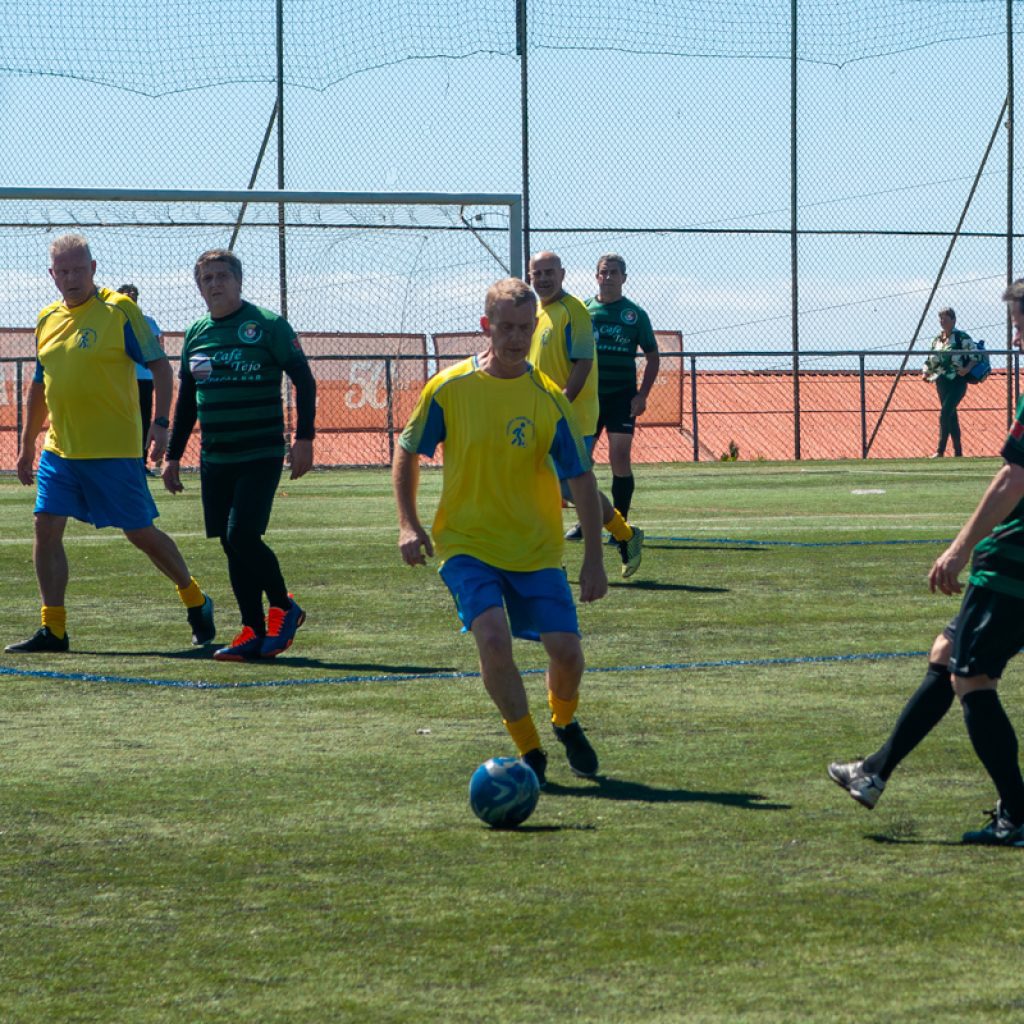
(577, 378)
(1004, 493)
(593, 580)
(186, 411)
(35, 417)
(413, 540)
(301, 455)
(163, 388)
(651, 366)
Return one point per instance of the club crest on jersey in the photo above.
(629, 316)
(520, 432)
(86, 337)
(1017, 430)
(250, 332)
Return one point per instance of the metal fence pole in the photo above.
(863, 411)
(389, 391)
(693, 408)
(524, 118)
(1010, 404)
(793, 237)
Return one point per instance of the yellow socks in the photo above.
(191, 596)
(618, 527)
(562, 711)
(523, 733)
(55, 618)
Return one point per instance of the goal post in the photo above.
(366, 279)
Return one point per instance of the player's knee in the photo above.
(239, 541)
(567, 656)
(494, 647)
(145, 539)
(942, 650)
(963, 685)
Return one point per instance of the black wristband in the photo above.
(161, 421)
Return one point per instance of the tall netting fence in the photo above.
(789, 182)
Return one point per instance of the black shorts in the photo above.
(239, 494)
(614, 415)
(986, 633)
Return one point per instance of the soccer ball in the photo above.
(503, 792)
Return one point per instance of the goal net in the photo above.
(367, 280)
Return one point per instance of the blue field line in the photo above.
(792, 543)
(678, 666)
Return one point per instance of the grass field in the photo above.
(185, 841)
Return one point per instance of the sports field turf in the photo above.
(298, 847)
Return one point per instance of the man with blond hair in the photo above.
(508, 435)
(87, 346)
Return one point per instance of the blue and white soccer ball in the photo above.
(503, 792)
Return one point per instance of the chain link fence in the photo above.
(797, 187)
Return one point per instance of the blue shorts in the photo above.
(537, 602)
(590, 440)
(104, 492)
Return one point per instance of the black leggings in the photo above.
(951, 393)
(237, 500)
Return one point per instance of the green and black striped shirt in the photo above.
(236, 364)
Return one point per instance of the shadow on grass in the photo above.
(604, 788)
(684, 546)
(635, 584)
(288, 662)
(546, 828)
(884, 840)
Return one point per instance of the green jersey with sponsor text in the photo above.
(237, 363)
(621, 328)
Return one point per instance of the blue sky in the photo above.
(625, 142)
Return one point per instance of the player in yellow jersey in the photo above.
(507, 430)
(563, 348)
(87, 345)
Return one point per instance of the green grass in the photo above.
(305, 853)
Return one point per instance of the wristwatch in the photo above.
(161, 421)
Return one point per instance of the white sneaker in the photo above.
(863, 786)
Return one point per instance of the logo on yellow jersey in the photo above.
(86, 337)
(520, 432)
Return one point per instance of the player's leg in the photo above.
(958, 389)
(620, 452)
(161, 550)
(540, 606)
(992, 631)
(630, 539)
(50, 559)
(565, 671)
(864, 780)
(51, 565)
(479, 592)
(118, 495)
(58, 496)
(145, 411)
(219, 482)
(252, 563)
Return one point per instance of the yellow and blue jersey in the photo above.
(563, 335)
(506, 443)
(85, 360)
